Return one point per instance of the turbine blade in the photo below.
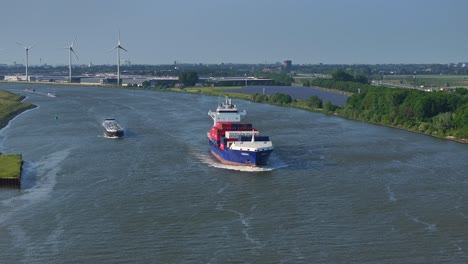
(21, 45)
(122, 48)
(75, 54)
(116, 47)
(33, 45)
(73, 42)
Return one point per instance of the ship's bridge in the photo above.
(227, 112)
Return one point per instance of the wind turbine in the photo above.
(118, 47)
(70, 51)
(26, 49)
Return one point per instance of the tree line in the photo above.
(434, 113)
(342, 81)
(438, 113)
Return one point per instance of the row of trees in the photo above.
(191, 78)
(342, 76)
(230, 69)
(346, 86)
(435, 113)
(313, 103)
(385, 69)
(278, 98)
(279, 79)
(343, 81)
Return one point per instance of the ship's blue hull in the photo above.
(238, 157)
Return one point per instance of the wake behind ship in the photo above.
(236, 143)
(112, 129)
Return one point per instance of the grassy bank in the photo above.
(214, 91)
(306, 105)
(11, 106)
(422, 126)
(10, 166)
(221, 91)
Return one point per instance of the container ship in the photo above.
(112, 129)
(234, 142)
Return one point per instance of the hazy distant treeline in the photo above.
(230, 69)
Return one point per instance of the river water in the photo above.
(335, 190)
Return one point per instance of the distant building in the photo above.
(164, 81)
(109, 81)
(19, 78)
(287, 65)
(136, 81)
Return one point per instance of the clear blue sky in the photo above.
(237, 31)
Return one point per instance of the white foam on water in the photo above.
(45, 171)
(5, 128)
(391, 194)
(212, 162)
(245, 221)
(53, 239)
(430, 227)
(104, 136)
(462, 214)
(222, 189)
(22, 241)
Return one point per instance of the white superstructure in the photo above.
(227, 112)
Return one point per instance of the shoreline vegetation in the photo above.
(11, 105)
(442, 114)
(439, 114)
(314, 104)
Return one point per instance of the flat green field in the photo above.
(214, 91)
(435, 81)
(10, 166)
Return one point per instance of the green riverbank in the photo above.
(10, 166)
(314, 105)
(11, 105)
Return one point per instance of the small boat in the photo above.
(51, 94)
(112, 129)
